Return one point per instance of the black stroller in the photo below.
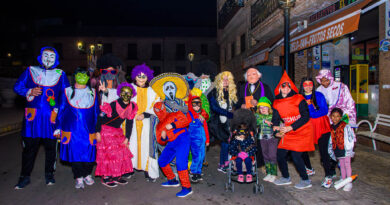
(247, 117)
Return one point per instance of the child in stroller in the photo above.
(242, 150)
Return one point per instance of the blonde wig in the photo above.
(232, 87)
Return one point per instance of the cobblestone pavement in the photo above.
(371, 187)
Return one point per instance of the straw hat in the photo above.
(180, 82)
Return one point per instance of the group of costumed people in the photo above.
(159, 123)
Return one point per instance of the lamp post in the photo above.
(286, 5)
(191, 57)
(90, 50)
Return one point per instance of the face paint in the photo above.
(126, 94)
(170, 90)
(81, 78)
(206, 83)
(48, 58)
(141, 79)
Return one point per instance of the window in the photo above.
(243, 43)
(107, 48)
(132, 51)
(204, 49)
(233, 50)
(156, 52)
(180, 52)
(58, 47)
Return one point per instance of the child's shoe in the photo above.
(310, 172)
(23, 182)
(184, 192)
(200, 178)
(171, 183)
(222, 168)
(348, 187)
(266, 178)
(88, 180)
(249, 178)
(128, 175)
(108, 182)
(119, 180)
(327, 183)
(194, 178)
(79, 183)
(49, 177)
(240, 178)
(272, 178)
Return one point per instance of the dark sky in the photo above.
(117, 12)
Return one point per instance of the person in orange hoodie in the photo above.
(296, 131)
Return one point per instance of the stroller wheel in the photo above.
(258, 188)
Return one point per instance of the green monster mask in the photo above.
(82, 78)
(126, 93)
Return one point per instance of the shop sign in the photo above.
(317, 57)
(341, 4)
(332, 30)
(257, 58)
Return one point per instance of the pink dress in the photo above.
(113, 158)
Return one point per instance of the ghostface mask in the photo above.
(170, 90)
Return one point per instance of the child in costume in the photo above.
(199, 135)
(143, 144)
(77, 124)
(172, 132)
(242, 146)
(109, 66)
(341, 143)
(269, 144)
(113, 157)
(319, 117)
(42, 86)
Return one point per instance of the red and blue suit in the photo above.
(177, 143)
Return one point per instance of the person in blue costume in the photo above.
(42, 86)
(77, 122)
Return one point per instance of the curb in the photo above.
(10, 128)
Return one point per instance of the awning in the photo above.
(334, 27)
(259, 57)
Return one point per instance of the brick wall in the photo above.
(300, 65)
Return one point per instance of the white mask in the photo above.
(170, 90)
(48, 58)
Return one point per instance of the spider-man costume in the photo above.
(177, 143)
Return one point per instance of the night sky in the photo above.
(116, 12)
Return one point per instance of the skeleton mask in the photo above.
(170, 90)
(206, 83)
(48, 58)
(126, 93)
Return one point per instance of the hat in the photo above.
(285, 79)
(181, 84)
(264, 101)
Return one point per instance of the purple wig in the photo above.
(142, 69)
(125, 84)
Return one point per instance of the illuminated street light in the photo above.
(191, 57)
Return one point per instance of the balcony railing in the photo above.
(261, 10)
(229, 9)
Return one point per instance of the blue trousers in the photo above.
(248, 165)
(178, 148)
(198, 144)
(223, 155)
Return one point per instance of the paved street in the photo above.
(371, 187)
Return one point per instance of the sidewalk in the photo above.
(10, 120)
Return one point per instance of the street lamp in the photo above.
(191, 57)
(91, 51)
(286, 5)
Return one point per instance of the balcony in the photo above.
(229, 9)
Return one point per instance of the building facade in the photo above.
(343, 36)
